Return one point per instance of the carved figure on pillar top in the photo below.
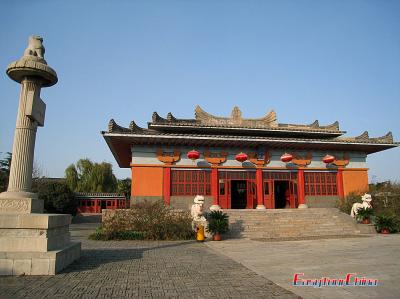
(35, 47)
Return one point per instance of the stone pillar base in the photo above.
(35, 244)
(260, 207)
(39, 263)
(20, 203)
(302, 206)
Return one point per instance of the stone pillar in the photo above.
(24, 142)
(260, 195)
(31, 243)
(214, 189)
(300, 190)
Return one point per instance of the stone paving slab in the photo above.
(142, 269)
(376, 256)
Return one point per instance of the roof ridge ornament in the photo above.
(363, 136)
(114, 127)
(388, 138)
(134, 127)
(157, 118)
(236, 119)
(315, 124)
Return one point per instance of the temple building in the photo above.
(240, 163)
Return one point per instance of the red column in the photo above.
(259, 187)
(339, 183)
(300, 189)
(167, 185)
(214, 186)
(131, 182)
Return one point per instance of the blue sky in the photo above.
(307, 60)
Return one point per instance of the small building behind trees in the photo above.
(96, 202)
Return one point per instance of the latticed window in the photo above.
(279, 175)
(237, 175)
(320, 183)
(190, 182)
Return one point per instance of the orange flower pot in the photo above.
(217, 237)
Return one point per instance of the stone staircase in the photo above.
(291, 223)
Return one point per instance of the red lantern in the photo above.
(241, 157)
(286, 158)
(193, 155)
(328, 159)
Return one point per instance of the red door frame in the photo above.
(268, 193)
(225, 200)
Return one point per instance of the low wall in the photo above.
(140, 199)
(186, 202)
(322, 201)
(176, 202)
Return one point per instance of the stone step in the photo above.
(290, 223)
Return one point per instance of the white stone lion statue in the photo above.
(366, 203)
(35, 47)
(197, 208)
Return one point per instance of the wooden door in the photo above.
(251, 195)
(293, 194)
(224, 189)
(268, 192)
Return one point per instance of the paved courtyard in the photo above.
(129, 269)
(228, 269)
(376, 256)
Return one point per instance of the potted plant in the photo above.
(218, 223)
(386, 224)
(364, 215)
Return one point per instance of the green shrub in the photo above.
(149, 221)
(364, 213)
(100, 235)
(218, 222)
(385, 221)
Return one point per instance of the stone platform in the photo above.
(36, 244)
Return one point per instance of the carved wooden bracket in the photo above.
(343, 162)
(259, 161)
(167, 157)
(215, 158)
(300, 161)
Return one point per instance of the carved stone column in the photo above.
(31, 243)
(33, 73)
